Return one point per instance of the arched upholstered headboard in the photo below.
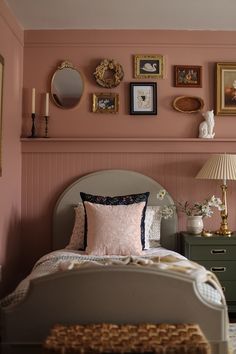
(109, 183)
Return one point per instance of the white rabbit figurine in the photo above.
(207, 126)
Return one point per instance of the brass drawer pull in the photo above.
(218, 269)
(218, 251)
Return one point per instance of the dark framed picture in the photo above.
(225, 89)
(105, 102)
(149, 66)
(187, 76)
(143, 98)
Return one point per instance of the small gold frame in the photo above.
(149, 66)
(105, 102)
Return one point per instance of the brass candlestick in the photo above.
(223, 230)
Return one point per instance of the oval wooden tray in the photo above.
(188, 104)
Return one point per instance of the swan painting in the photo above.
(149, 67)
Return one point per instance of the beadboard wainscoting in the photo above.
(49, 165)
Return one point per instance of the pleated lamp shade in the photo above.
(222, 166)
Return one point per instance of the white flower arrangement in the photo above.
(203, 208)
(166, 211)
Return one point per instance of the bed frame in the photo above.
(121, 294)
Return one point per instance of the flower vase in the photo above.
(194, 224)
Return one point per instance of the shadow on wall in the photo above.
(11, 267)
(28, 239)
(34, 244)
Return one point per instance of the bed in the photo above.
(124, 292)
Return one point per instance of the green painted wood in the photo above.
(212, 252)
(216, 253)
(229, 288)
(224, 270)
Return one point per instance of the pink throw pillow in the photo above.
(114, 229)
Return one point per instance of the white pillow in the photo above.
(152, 228)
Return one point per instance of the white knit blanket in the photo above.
(65, 260)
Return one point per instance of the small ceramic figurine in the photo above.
(207, 126)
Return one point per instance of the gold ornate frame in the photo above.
(109, 73)
(105, 102)
(225, 89)
(1, 104)
(64, 66)
(149, 66)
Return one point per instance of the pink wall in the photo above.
(11, 39)
(49, 166)
(44, 50)
(163, 147)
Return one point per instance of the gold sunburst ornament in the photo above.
(109, 73)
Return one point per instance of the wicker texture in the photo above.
(143, 338)
(188, 104)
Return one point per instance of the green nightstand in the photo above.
(217, 254)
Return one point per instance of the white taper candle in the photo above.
(33, 100)
(47, 105)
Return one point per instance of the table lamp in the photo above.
(220, 167)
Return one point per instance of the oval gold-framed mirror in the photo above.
(67, 86)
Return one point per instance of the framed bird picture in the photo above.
(149, 66)
(143, 98)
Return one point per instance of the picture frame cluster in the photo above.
(143, 94)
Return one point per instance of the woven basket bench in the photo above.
(111, 338)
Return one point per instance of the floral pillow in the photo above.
(119, 205)
(114, 229)
(152, 228)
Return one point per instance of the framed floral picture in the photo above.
(1, 100)
(187, 76)
(143, 98)
(225, 89)
(149, 66)
(105, 102)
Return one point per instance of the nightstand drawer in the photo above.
(216, 253)
(212, 252)
(229, 289)
(224, 270)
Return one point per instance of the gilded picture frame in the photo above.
(105, 102)
(143, 98)
(1, 105)
(225, 103)
(187, 76)
(149, 66)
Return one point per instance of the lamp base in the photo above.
(222, 232)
